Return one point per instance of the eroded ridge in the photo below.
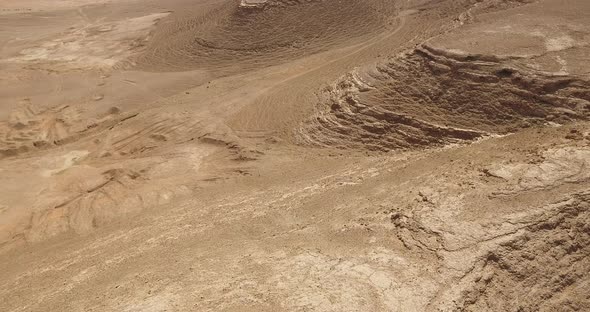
(433, 97)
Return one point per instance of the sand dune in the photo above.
(230, 37)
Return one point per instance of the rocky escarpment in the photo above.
(544, 269)
(432, 97)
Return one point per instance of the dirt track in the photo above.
(295, 155)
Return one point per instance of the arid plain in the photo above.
(295, 155)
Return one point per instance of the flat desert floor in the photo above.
(295, 155)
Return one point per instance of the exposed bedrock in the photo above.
(433, 97)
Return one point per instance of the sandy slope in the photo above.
(295, 155)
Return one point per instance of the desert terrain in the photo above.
(295, 155)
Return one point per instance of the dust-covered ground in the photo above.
(295, 155)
